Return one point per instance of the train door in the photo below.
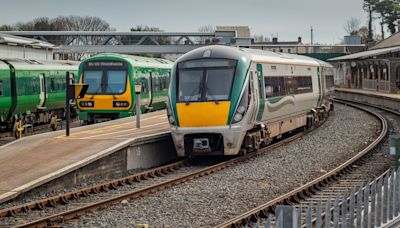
(323, 81)
(253, 93)
(261, 93)
(150, 90)
(42, 95)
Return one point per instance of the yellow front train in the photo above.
(111, 79)
(226, 101)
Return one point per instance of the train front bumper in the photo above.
(232, 137)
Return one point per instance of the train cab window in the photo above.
(116, 81)
(274, 86)
(218, 84)
(205, 80)
(190, 83)
(1, 89)
(93, 79)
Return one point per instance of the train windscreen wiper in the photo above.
(112, 93)
(211, 95)
(95, 93)
(192, 94)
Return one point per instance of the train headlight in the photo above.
(171, 119)
(120, 104)
(238, 117)
(86, 104)
(242, 107)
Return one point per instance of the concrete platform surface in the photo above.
(370, 92)
(35, 160)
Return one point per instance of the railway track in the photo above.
(351, 175)
(72, 205)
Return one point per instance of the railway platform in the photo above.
(35, 160)
(387, 100)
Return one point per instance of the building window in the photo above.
(289, 50)
(1, 89)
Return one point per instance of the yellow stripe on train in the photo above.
(203, 114)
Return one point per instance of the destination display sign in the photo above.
(105, 64)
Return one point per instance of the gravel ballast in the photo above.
(210, 200)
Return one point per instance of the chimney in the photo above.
(299, 39)
(275, 40)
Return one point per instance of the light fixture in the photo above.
(138, 88)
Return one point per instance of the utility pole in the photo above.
(312, 40)
(68, 103)
(138, 89)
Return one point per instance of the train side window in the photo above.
(304, 84)
(291, 85)
(52, 85)
(34, 86)
(329, 81)
(1, 89)
(274, 86)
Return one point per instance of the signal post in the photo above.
(73, 91)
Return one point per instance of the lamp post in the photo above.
(68, 103)
(138, 88)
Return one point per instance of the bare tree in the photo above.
(369, 6)
(352, 26)
(363, 32)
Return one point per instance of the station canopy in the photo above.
(22, 41)
(366, 54)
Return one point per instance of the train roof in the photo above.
(134, 60)
(218, 51)
(30, 64)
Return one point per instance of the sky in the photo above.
(288, 19)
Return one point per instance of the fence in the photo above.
(374, 205)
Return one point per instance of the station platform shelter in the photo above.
(377, 69)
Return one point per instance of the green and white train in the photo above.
(226, 100)
(32, 90)
(112, 78)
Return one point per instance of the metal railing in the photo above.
(374, 205)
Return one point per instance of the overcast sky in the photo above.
(287, 18)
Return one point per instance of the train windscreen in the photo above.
(105, 77)
(205, 80)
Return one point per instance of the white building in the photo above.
(25, 48)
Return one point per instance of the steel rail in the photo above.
(66, 197)
(75, 213)
(269, 207)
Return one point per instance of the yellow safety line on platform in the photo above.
(133, 133)
(101, 129)
(118, 132)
